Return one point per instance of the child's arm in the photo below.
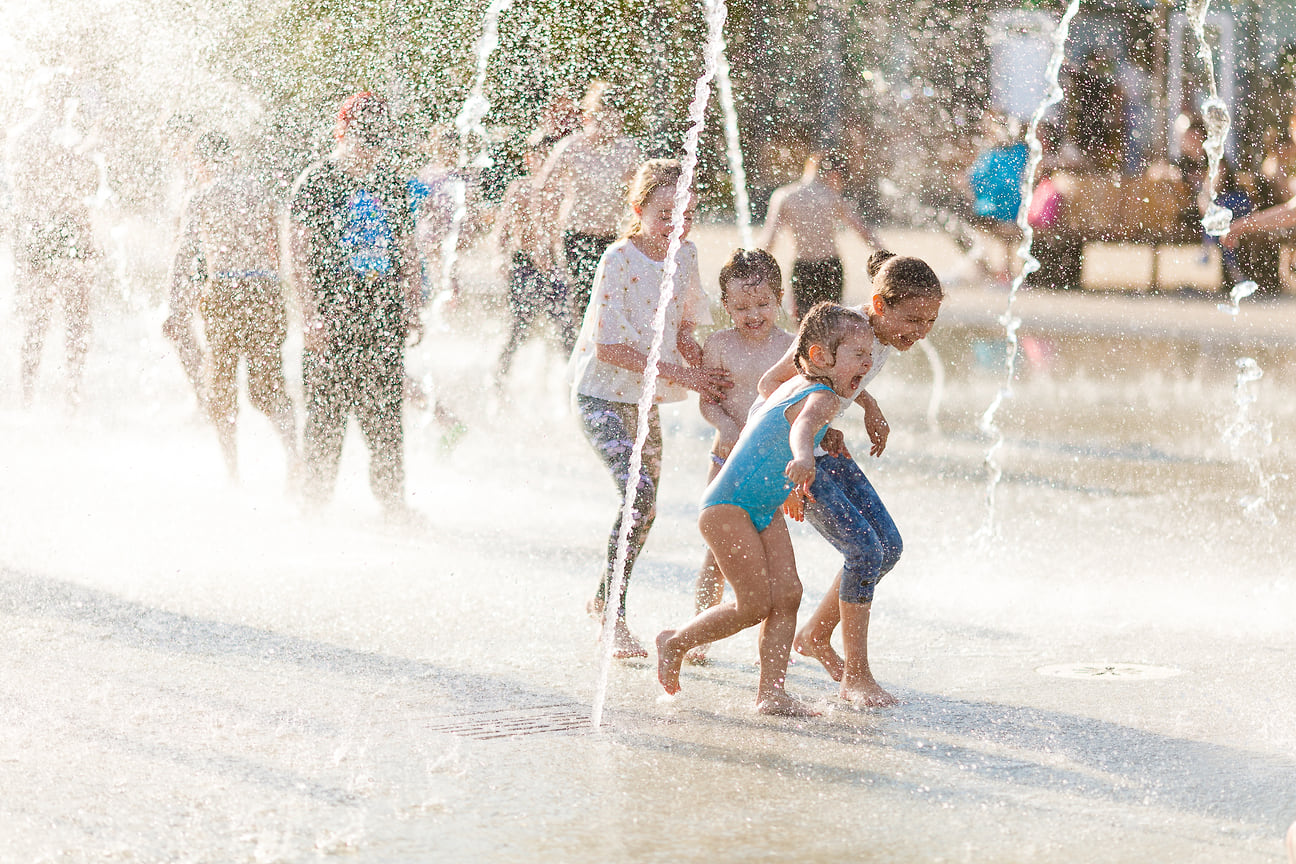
(874, 423)
(817, 411)
(780, 372)
(772, 219)
(687, 344)
(710, 383)
(727, 428)
(849, 216)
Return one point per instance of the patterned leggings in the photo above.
(610, 428)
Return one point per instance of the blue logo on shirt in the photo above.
(368, 235)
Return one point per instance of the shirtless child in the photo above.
(751, 289)
(811, 209)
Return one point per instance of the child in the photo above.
(842, 505)
(535, 288)
(751, 290)
(741, 519)
(611, 356)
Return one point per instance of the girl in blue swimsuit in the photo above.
(741, 517)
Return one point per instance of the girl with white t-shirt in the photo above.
(611, 356)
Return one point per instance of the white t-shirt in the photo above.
(622, 309)
(881, 353)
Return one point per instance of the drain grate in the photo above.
(1109, 671)
(516, 722)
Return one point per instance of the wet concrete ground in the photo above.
(193, 672)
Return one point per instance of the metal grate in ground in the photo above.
(516, 722)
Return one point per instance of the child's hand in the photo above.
(689, 349)
(801, 472)
(878, 429)
(710, 382)
(834, 443)
(723, 447)
(794, 506)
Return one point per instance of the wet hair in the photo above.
(744, 264)
(368, 116)
(897, 278)
(651, 176)
(826, 325)
(212, 147)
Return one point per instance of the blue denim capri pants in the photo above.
(850, 515)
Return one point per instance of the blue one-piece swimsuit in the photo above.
(752, 477)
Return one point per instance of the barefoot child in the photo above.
(611, 356)
(751, 290)
(741, 517)
(842, 505)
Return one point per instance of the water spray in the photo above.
(1215, 115)
(1246, 438)
(733, 148)
(469, 125)
(716, 12)
(1029, 263)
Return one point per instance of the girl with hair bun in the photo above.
(842, 504)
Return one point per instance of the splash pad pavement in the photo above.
(194, 672)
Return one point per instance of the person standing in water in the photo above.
(230, 226)
(811, 210)
(535, 288)
(741, 517)
(587, 173)
(611, 357)
(842, 504)
(751, 290)
(351, 245)
(187, 269)
(55, 180)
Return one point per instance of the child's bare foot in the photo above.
(697, 656)
(822, 651)
(624, 644)
(783, 705)
(867, 694)
(668, 663)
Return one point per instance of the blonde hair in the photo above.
(826, 325)
(651, 176)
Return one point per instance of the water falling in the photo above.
(1247, 438)
(733, 147)
(716, 12)
(1215, 114)
(938, 385)
(1029, 262)
(468, 123)
(1239, 292)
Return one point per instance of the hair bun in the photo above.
(876, 260)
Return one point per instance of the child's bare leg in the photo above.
(741, 556)
(858, 685)
(815, 638)
(779, 626)
(1291, 844)
(709, 592)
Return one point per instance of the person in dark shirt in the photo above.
(357, 277)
